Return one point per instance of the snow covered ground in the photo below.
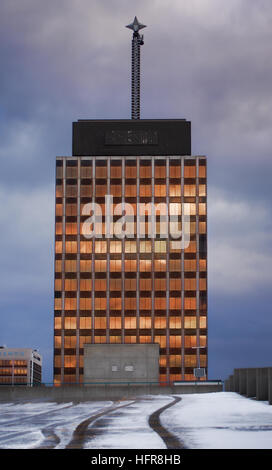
(207, 421)
(128, 428)
(28, 425)
(220, 421)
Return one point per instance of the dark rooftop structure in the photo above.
(127, 137)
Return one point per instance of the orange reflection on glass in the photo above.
(160, 303)
(161, 340)
(115, 339)
(100, 303)
(115, 323)
(85, 284)
(58, 304)
(175, 171)
(130, 323)
(70, 323)
(115, 303)
(190, 284)
(145, 303)
(190, 303)
(175, 322)
(84, 340)
(175, 341)
(70, 341)
(189, 171)
(100, 323)
(57, 342)
(85, 303)
(145, 339)
(189, 341)
(130, 339)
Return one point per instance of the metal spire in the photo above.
(137, 41)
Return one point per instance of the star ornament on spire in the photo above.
(136, 26)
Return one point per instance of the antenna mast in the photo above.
(137, 42)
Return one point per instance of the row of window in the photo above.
(175, 341)
(130, 303)
(163, 378)
(13, 380)
(16, 371)
(131, 171)
(116, 285)
(12, 362)
(130, 265)
(160, 190)
(173, 361)
(174, 209)
(115, 247)
(129, 322)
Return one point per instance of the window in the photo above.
(189, 171)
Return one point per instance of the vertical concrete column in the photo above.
(227, 385)
(123, 256)
(108, 160)
(152, 254)
(92, 241)
(138, 256)
(197, 268)
(236, 380)
(182, 280)
(242, 381)
(262, 383)
(78, 273)
(251, 382)
(63, 269)
(231, 383)
(270, 385)
(167, 278)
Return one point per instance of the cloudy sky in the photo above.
(208, 61)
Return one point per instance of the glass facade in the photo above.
(136, 288)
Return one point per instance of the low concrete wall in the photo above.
(99, 392)
(251, 382)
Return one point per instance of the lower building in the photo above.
(20, 366)
(121, 363)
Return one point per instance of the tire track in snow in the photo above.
(79, 434)
(171, 441)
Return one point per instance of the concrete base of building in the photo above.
(78, 393)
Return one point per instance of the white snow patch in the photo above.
(221, 420)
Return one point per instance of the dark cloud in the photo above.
(206, 60)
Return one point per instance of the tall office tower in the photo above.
(131, 245)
